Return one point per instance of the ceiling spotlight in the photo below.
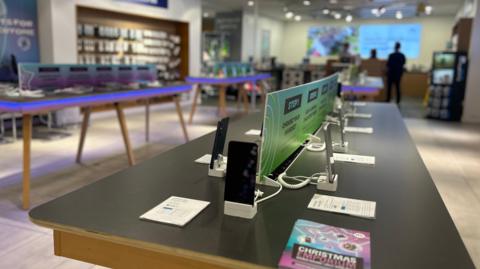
(326, 11)
(206, 15)
(251, 3)
(333, 2)
(378, 11)
(306, 3)
(428, 9)
(349, 18)
(289, 15)
(399, 15)
(337, 16)
(298, 18)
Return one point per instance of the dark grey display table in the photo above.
(99, 223)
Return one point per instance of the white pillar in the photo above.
(471, 111)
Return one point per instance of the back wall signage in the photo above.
(18, 35)
(155, 3)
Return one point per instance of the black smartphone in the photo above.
(219, 143)
(241, 172)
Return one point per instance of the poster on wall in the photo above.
(18, 36)
(328, 40)
(155, 3)
(265, 45)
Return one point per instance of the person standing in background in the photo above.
(344, 55)
(395, 67)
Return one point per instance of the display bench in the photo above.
(223, 83)
(28, 106)
(100, 223)
(367, 90)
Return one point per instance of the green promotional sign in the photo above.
(291, 115)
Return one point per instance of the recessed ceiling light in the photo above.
(206, 15)
(298, 18)
(326, 11)
(337, 16)
(333, 2)
(306, 3)
(251, 3)
(399, 15)
(289, 15)
(349, 18)
(428, 9)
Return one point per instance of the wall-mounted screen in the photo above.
(382, 37)
(328, 40)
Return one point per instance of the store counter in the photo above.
(223, 82)
(29, 106)
(100, 223)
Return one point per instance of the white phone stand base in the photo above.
(338, 147)
(327, 186)
(245, 211)
(219, 168)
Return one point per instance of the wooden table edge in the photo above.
(211, 261)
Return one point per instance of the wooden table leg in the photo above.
(197, 90)
(244, 97)
(147, 121)
(253, 97)
(222, 101)
(126, 139)
(263, 91)
(83, 133)
(180, 116)
(27, 139)
(239, 95)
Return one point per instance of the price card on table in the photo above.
(353, 207)
(175, 210)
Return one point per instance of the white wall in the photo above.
(436, 31)
(58, 25)
(467, 9)
(471, 112)
(276, 29)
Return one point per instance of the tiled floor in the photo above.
(450, 151)
(54, 173)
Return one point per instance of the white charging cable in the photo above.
(280, 188)
(315, 146)
(304, 181)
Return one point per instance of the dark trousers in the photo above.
(394, 81)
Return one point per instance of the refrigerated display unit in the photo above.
(447, 85)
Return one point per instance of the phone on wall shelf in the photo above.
(241, 172)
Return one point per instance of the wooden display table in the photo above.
(222, 83)
(100, 223)
(28, 107)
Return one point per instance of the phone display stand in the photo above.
(245, 211)
(328, 186)
(340, 147)
(219, 167)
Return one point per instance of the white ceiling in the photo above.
(358, 8)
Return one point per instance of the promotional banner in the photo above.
(291, 115)
(18, 36)
(58, 76)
